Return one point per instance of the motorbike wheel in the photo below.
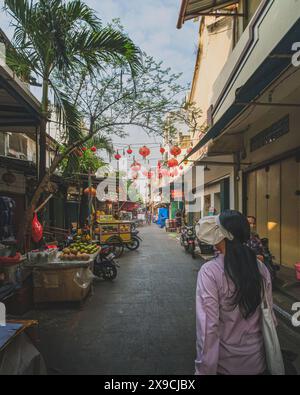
(109, 272)
(134, 245)
(118, 246)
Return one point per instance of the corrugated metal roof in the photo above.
(192, 8)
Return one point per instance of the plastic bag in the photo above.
(37, 229)
(83, 278)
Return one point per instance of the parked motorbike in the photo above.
(133, 226)
(105, 264)
(188, 240)
(268, 259)
(135, 241)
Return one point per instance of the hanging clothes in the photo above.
(7, 207)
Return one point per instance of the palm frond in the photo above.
(102, 143)
(20, 11)
(68, 117)
(77, 11)
(22, 64)
(107, 45)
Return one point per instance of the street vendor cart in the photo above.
(114, 231)
(118, 233)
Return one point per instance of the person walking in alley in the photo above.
(178, 217)
(230, 290)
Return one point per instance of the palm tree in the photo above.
(51, 39)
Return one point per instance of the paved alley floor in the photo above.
(142, 323)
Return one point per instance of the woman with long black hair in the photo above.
(230, 290)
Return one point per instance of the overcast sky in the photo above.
(152, 26)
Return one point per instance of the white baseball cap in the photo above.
(210, 231)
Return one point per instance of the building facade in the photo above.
(253, 116)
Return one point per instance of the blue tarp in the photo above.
(7, 332)
(163, 215)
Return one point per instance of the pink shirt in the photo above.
(226, 343)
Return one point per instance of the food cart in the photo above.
(109, 230)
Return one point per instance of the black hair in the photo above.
(241, 264)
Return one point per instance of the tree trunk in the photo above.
(30, 211)
(42, 148)
(43, 177)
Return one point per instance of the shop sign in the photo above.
(176, 194)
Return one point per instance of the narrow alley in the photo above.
(142, 323)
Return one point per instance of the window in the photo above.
(248, 8)
(18, 145)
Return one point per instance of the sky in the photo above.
(151, 24)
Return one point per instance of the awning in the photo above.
(19, 109)
(274, 65)
(191, 9)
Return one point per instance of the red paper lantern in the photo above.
(144, 152)
(118, 156)
(162, 150)
(172, 162)
(94, 149)
(90, 191)
(175, 151)
(129, 151)
(84, 149)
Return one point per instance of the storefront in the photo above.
(255, 125)
(272, 185)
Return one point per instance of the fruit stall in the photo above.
(64, 276)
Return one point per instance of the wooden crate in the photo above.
(59, 285)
